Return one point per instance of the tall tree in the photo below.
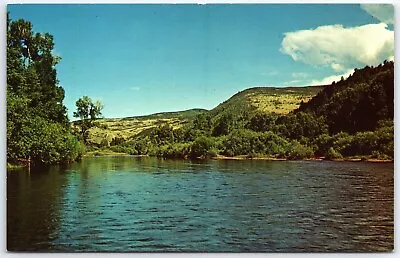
(37, 122)
(31, 70)
(87, 111)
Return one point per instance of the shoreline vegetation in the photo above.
(351, 119)
(109, 153)
(92, 154)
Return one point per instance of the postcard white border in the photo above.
(3, 237)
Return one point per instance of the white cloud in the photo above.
(134, 88)
(382, 12)
(340, 48)
(328, 80)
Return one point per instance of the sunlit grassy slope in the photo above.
(259, 99)
(267, 100)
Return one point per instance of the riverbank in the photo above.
(98, 153)
(14, 165)
(352, 159)
(110, 153)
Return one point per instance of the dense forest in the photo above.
(38, 128)
(350, 118)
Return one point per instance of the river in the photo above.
(133, 204)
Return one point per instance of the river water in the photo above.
(132, 204)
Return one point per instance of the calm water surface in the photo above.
(125, 204)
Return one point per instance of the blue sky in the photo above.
(142, 59)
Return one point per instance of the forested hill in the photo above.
(237, 110)
(351, 119)
(358, 103)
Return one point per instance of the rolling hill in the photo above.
(259, 99)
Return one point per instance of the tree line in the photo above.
(353, 117)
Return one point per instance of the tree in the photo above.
(223, 125)
(37, 123)
(261, 122)
(203, 123)
(87, 111)
(31, 70)
(201, 146)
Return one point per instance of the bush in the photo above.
(332, 154)
(201, 146)
(299, 151)
(322, 143)
(117, 140)
(177, 150)
(381, 156)
(244, 142)
(213, 152)
(48, 143)
(343, 142)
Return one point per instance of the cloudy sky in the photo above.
(141, 59)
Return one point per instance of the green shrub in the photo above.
(48, 142)
(381, 156)
(213, 152)
(332, 154)
(299, 151)
(201, 146)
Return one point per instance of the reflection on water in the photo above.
(143, 204)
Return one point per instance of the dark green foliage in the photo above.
(223, 125)
(332, 154)
(385, 141)
(87, 111)
(322, 128)
(300, 124)
(31, 71)
(323, 142)
(117, 140)
(364, 143)
(43, 141)
(358, 103)
(37, 124)
(163, 134)
(203, 123)
(261, 122)
(297, 150)
(243, 142)
(202, 146)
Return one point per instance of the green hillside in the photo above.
(245, 103)
(121, 129)
(276, 100)
(350, 119)
(358, 103)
